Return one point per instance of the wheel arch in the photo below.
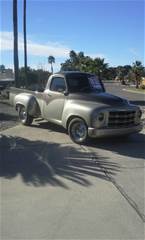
(19, 105)
(70, 118)
(29, 102)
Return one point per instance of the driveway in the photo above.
(52, 188)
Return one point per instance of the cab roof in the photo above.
(67, 73)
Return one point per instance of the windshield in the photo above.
(81, 82)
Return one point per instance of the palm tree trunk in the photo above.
(25, 44)
(15, 32)
(51, 68)
(137, 81)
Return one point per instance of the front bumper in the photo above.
(104, 132)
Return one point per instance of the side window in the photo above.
(58, 84)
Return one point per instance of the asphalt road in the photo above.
(52, 188)
(122, 91)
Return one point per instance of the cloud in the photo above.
(58, 50)
(36, 49)
(44, 50)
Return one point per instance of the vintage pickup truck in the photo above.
(78, 102)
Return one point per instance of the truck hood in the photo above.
(102, 98)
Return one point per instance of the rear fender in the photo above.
(29, 102)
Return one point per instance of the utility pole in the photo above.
(15, 33)
(25, 44)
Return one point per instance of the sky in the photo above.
(113, 30)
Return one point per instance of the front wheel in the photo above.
(24, 117)
(78, 130)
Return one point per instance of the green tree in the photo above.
(109, 73)
(32, 78)
(122, 72)
(74, 58)
(71, 64)
(68, 66)
(131, 76)
(100, 66)
(138, 70)
(2, 68)
(51, 60)
(15, 33)
(78, 61)
(36, 79)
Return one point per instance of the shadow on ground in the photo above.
(128, 146)
(48, 125)
(7, 117)
(40, 163)
(132, 145)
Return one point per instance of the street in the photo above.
(52, 188)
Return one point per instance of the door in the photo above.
(54, 99)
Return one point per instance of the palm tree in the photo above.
(51, 60)
(100, 66)
(25, 43)
(15, 32)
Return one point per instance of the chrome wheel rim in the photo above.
(79, 131)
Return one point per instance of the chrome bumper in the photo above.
(93, 132)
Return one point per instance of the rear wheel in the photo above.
(78, 130)
(24, 117)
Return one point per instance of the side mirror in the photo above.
(63, 91)
(60, 90)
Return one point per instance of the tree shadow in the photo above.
(132, 146)
(40, 163)
(40, 123)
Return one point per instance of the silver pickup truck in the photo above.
(78, 102)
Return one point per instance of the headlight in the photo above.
(101, 117)
(138, 115)
(99, 120)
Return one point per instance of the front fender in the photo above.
(72, 110)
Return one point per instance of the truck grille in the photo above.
(121, 119)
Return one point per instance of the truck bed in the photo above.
(13, 91)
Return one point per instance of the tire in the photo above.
(24, 117)
(78, 130)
